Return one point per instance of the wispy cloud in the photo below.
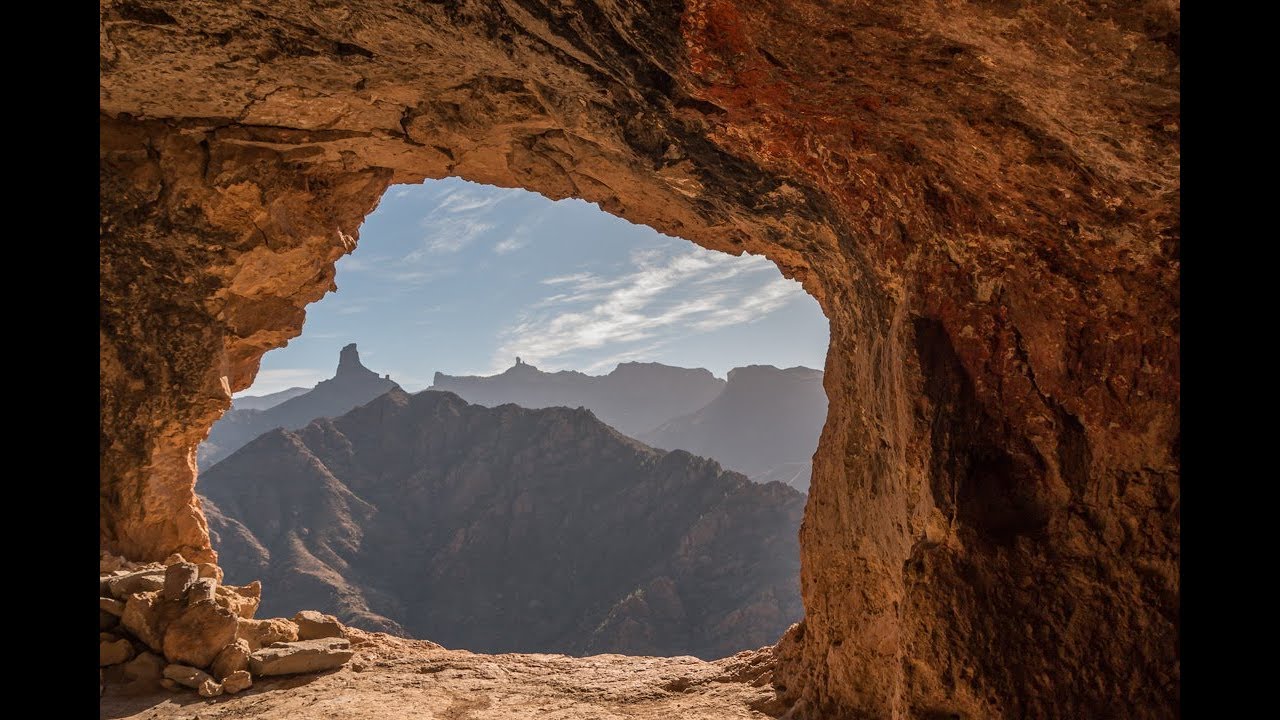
(661, 299)
(513, 242)
(447, 235)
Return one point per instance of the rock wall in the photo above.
(982, 196)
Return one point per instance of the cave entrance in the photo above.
(519, 523)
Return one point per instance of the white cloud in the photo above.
(468, 201)
(514, 242)
(448, 235)
(662, 299)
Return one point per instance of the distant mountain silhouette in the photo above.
(765, 424)
(634, 398)
(270, 400)
(507, 529)
(353, 384)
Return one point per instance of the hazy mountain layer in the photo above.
(765, 424)
(634, 398)
(270, 400)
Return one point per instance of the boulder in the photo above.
(199, 634)
(107, 621)
(209, 688)
(114, 652)
(178, 578)
(313, 625)
(122, 586)
(237, 681)
(232, 659)
(143, 674)
(174, 559)
(242, 600)
(111, 605)
(148, 617)
(147, 666)
(304, 656)
(109, 563)
(186, 676)
(260, 633)
(202, 590)
(211, 571)
(104, 581)
(170, 685)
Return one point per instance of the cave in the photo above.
(983, 199)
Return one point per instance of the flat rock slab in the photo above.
(400, 679)
(304, 656)
(313, 625)
(122, 586)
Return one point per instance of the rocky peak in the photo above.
(349, 363)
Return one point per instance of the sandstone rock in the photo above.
(186, 676)
(209, 570)
(111, 605)
(114, 652)
(983, 198)
(301, 657)
(174, 559)
(242, 600)
(108, 562)
(199, 634)
(178, 578)
(313, 625)
(146, 667)
(231, 659)
(104, 581)
(122, 586)
(202, 590)
(237, 681)
(147, 616)
(107, 621)
(209, 688)
(260, 633)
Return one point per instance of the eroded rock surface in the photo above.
(391, 679)
(983, 198)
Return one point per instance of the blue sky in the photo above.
(461, 278)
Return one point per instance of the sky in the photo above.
(462, 278)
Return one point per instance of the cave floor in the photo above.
(394, 678)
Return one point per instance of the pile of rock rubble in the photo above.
(175, 625)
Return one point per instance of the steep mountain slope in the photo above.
(353, 384)
(765, 424)
(634, 398)
(507, 529)
(270, 400)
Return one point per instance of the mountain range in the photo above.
(634, 398)
(507, 529)
(763, 422)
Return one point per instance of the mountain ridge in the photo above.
(505, 529)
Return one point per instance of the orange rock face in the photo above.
(983, 197)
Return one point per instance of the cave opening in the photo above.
(541, 527)
(984, 201)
